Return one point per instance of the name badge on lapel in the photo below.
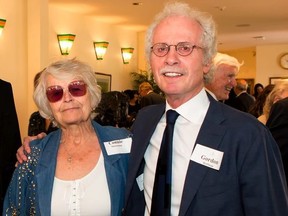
(122, 146)
(207, 156)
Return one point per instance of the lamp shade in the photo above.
(127, 54)
(65, 42)
(2, 24)
(100, 49)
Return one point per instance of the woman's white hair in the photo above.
(63, 70)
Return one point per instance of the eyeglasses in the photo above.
(76, 89)
(182, 48)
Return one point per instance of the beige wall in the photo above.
(141, 55)
(87, 30)
(13, 54)
(262, 62)
(29, 43)
(267, 62)
(248, 57)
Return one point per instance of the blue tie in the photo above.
(161, 197)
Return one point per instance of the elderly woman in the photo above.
(279, 92)
(79, 169)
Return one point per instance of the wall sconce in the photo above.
(100, 49)
(65, 42)
(127, 54)
(2, 24)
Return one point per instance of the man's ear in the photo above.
(207, 67)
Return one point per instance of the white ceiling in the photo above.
(256, 18)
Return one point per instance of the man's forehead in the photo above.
(227, 68)
(165, 32)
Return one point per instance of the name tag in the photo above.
(122, 146)
(207, 156)
(140, 182)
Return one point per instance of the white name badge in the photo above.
(207, 156)
(122, 146)
(140, 182)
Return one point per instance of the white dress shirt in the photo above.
(186, 130)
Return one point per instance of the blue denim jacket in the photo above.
(30, 189)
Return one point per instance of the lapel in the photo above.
(113, 174)
(143, 129)
(45, 172)
(114, 178)
(211, 130)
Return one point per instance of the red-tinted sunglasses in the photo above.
(76, 89)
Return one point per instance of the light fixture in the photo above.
(65, 42)
(127, 54)
(2, 24)
(100, 49)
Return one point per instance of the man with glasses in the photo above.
(223, 162)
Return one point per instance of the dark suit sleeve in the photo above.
(10, 139)
(278, 125)
(151, 99)
(144, 102)
(267, 172)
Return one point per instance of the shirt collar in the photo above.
(211, 93)
(193, 109)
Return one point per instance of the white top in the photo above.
(86, 196)
(186, 130)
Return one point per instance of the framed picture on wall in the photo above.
(274, 80)
(104, 81)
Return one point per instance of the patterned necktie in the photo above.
(161, 198)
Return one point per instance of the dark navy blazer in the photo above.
(250, 181)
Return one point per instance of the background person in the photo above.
(113, 109)
(74, 170)
(257, 108)
(258, 88)
(10, 138)
(134, 105)
(278, 125)
(280, 91)
(220, 83)
(38, 124)
(243, 100)
(249, 178)
(148, 96)
(133, 101)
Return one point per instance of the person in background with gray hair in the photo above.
(223, 79)
(243, 100)
(224, 162)
(148, 96)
